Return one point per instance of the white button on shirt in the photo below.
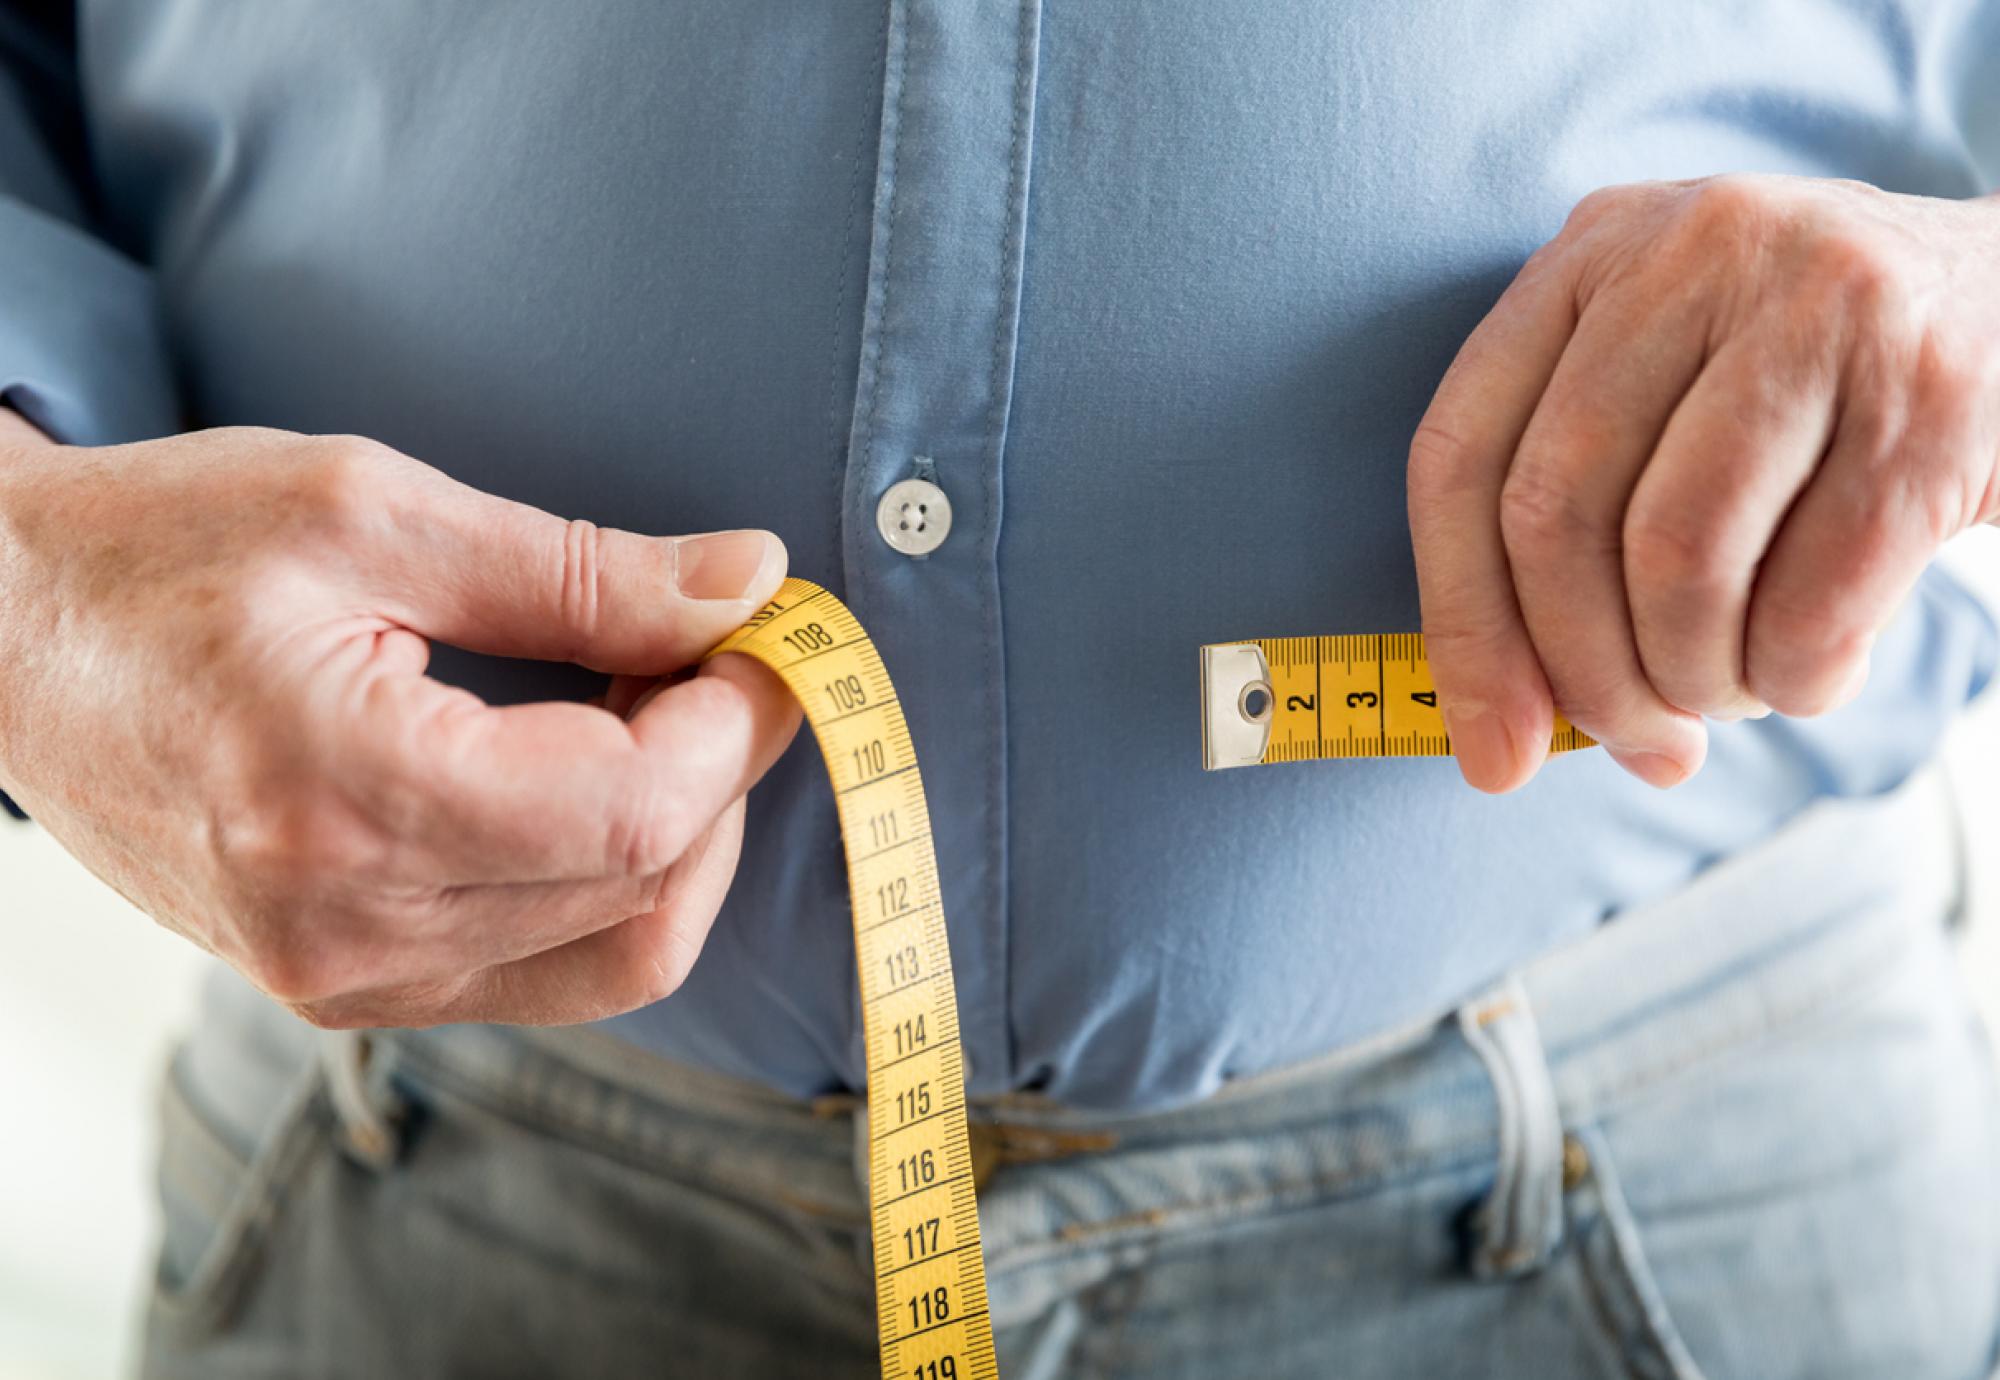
(914, 517)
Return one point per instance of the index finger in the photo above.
(553, 792)
(1491, 689)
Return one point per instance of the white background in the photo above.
(91, 995)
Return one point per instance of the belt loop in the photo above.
(861, 1148)
(357, 1084)
(1518, 1227)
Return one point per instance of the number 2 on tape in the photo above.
(1298, 699)
(930, 1275)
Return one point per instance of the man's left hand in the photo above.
(1695, 458)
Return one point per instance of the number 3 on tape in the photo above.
(1298, 699)
(930, 1275)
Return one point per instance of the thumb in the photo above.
(506, 579)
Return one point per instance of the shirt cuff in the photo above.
(82, 355)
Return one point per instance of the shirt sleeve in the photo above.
(1971, 63)
(81, 351)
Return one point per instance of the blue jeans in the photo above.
(1749, 1133)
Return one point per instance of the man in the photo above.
(1331, 1069)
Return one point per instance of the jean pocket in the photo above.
(1824, 1206)
(217, 1202)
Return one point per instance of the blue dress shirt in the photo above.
(1158, 287)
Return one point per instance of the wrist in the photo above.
(19, 439)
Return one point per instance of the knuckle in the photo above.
(297, 973)
(1728, 206)
(1801, 688)
(1805, 624)
(1610, 700)
(1459, 641)
(1695, 688)
(1861, 272)
(1677, 555)
(1440, 463)
(344, 480)
(1596, 207)
(330, 956)
(1539, 513)
(1953, 380)
(1596, 698)
(650, 833)
(1798, 654)
(300, 846)
(1908, 516)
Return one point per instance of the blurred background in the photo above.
(92, 996)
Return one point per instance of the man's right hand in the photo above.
(212, 691)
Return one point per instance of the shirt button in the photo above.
(914, 517)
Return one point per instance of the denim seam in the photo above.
(180, 1116)
(534, 1119)
(497, 1229)
(1077, 1239)
(1856, 983)
(230, 1252)
(514, 1094)
(1639, 1314)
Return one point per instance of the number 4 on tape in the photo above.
(1300, 699)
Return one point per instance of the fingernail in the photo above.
(1653, 768)
(1856, 682)
(723, 565)
(1484, 747)
(1742, 710)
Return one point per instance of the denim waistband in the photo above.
(1757, 943)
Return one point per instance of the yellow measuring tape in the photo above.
(1282, 699)
(930, 1277)
(1298, 699)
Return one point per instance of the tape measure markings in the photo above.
(930, 1272)
(1296, 699)
(921, 1187)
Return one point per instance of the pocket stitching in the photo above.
(224, 1259)
(1632, 1290)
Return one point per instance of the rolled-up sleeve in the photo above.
(81, 351)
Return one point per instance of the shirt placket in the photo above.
(930, 422)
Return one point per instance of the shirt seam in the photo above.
(1013, 235)
(836, 448)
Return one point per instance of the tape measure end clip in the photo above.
(1236, 705)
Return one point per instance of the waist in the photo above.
(1758, 943)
